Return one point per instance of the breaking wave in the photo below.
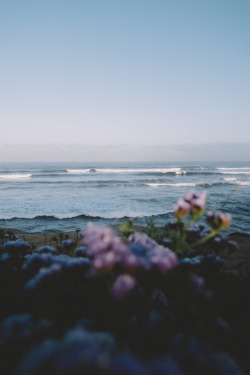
(15, 176)
(180, 184)
(177, 171)
(86, 217)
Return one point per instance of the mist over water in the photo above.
(38, 197)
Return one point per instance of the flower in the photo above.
(142, 239)
(122, 286)
(100, 240)
(181, 208)
(197, 202)
(163, 259)
(105, 249)
(219, 220)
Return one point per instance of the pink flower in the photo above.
(101, 240)
(197, 201)
(123, 285)
(181, 209)
(163, 259)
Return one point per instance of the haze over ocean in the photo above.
(38, 197)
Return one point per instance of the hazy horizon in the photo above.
(209, 152)
(134, 73)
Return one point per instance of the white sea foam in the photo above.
(77, 171)
(15, 176)
(243, 183)
(178, 171)
(236, 172)
(89, 215)
(230, 179)
(127, 213)
(180, 184)
(229, 169)
(237, 182)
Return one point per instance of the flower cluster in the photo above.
(186, 234)
(100, 240)
(123, 306)
(105, 249)
(125, 262)
(193, 203)
(157, 257)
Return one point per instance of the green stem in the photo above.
(181, 238)
(196, 217)
(204, 239)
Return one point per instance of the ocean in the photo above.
(46, 197)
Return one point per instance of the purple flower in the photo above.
(105, 262)
(163, 259)
(132, 263)
(105, 248)
(102, 239)
(197, 201)
(122, 286)
(157, 257)
(142, 239)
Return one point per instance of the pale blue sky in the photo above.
(124, 72)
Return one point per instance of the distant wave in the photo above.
(201, 172)
(236, 168)
(229, 179)
(47, 224)
(180, 184)
(141, 171)
(15, 176)
(243, 183)
(201, 184)
(95, 183)
(52, 170)
(77, 171)
(47, 182)
(235, 172)
(206, 185)
(87, 217)
(54, 174)
(127, 170)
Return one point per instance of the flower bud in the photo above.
(181, 209)
(219, 220)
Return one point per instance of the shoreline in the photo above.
(236, 265)
(54, 238)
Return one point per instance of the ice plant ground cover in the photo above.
(126, 303)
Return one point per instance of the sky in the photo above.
(124, 79)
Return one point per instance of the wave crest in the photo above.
(88, 217)
(15, 176)
(179, 184)
(177, 171)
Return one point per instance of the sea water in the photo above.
(36, 197)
